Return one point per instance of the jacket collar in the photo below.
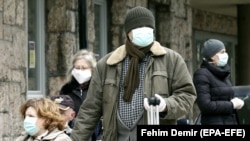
(53, 134)
(220, 72)
(45, 136)
(120, 53)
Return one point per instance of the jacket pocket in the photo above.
(161, 83)
(109, 90)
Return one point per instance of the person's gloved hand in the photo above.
(161, 106)
(146, 104)
(237, 103)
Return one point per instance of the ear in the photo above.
(72, 115)
(130, 35)
(215, 58)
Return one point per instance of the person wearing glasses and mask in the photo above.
(215, 96)
(78, 78)
(124, 79)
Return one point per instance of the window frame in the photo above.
(103, 27)
(40, 49)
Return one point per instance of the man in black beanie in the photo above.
(125, 78)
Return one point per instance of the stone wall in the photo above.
(61, 44)
(13, 66)
(214, 23)
(62, 40)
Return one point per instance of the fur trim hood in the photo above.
(120, 53)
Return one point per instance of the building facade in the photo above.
(38, 38)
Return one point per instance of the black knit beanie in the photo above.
(211, 47)
(138, 17)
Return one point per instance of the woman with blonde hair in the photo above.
(42, 121)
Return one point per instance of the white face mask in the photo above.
(223, 58)
(143, 36)
(81, 75)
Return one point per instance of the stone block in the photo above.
(1, 9)
(20, 13)
(19, 48)
(55, 84)
(7, 32)
(52, 52)
(1, 26)
(9, 12)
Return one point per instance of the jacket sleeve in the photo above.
(182, 90)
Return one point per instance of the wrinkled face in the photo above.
(81, 64)
(68, 114)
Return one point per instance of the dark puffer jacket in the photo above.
(214, 92)
(76, 92)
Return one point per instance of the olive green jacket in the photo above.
(166, 75)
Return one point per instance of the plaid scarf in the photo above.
(136, 54)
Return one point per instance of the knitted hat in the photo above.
(138, 17)
(211, 47)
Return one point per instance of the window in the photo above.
(100, 28)
(35, 48)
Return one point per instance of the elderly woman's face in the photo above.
(81, 64)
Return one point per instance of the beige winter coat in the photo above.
(55, 135)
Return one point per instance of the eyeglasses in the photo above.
(81, 68)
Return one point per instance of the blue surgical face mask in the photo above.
(223, 58)
(143, 36)
(29, 125)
